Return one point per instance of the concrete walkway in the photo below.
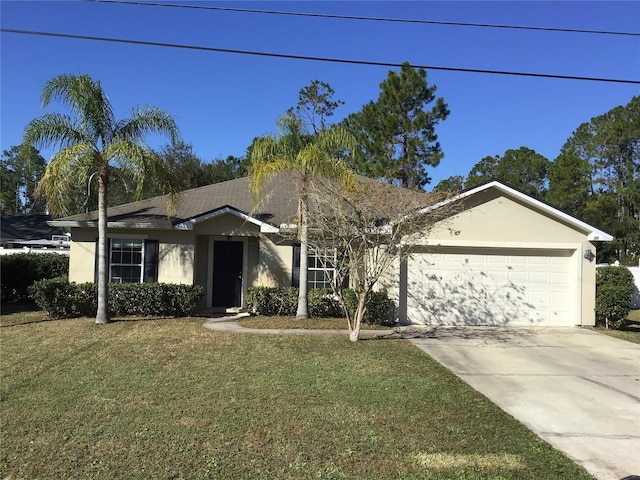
(577, 389)
(230, 324)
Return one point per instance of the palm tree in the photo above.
(89, 141)
(306, 158)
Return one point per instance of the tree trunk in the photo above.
(303, 287)
(102, 315)
(358, 316)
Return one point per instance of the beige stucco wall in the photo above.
(176, 253)
(176, 256)
(275, 262)
(226, 224)
(82, 255)
(184, 255)
(493, 220)
(492, 217)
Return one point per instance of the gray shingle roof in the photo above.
(278, 207)
(27, 227)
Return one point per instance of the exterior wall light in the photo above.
(589, 255)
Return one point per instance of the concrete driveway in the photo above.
(577, 389)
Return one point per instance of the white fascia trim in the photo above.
(593, 235)
(94, 224)
(264, 227)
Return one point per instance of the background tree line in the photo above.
(595, 176)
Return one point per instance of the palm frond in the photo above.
(296, 151)
(69, 169)
(145, 121)
(85, 97)
(148, 170)
(53, 130)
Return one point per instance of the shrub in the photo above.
(614, 287)
(62, 299)
(381, 310)
(284, 302)
(272, 301)
(18, 272)
(322, 303)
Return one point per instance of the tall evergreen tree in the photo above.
(21, 170)
(570, 184)
(597, 176)
(316, 104)
(396, 133)
(451, 184)
(523, 169)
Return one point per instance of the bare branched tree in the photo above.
(367, 227)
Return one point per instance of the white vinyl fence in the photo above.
(11, 251)
(635, 298)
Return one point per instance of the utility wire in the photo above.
(311, 58)
(370, 19)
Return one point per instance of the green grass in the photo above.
(168, 399)
(280, 323)
(630, 331)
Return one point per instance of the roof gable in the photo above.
(593, 233)
(227, 209)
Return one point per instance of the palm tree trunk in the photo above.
(303, 287)
(102, 315)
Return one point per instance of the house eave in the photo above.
(165, 225)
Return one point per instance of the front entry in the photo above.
(227, 274)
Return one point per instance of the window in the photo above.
(126, 257)
(321, 268)
(130, 260)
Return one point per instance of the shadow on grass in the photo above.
(631, 326)
(9, 308)
(23, 313)
(14, 314)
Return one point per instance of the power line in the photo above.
(370, 19)
(315, 59)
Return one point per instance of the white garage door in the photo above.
(454, 286)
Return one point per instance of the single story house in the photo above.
(503, 259)
(25, 233)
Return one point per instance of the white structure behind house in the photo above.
(635, 297)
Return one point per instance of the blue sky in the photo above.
(222, 101)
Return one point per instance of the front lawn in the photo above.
(630, 331)
(168, 399)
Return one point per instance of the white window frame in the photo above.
(135, 238)
(319, 265)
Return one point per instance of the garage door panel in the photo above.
(481, 288)
(517, 277)
(538, 278)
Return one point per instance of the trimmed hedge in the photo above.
(381, 310)
(19, 271)
(62, 299)
(322, 303)
(284, 302)
(614, 287)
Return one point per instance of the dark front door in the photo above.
(227, 274)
